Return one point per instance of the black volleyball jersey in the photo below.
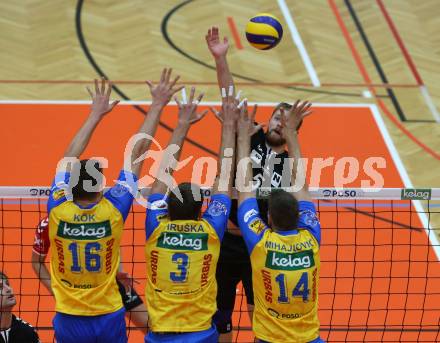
(267, 171)
(264, 174)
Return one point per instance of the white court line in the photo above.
(135, 102)
(299, 43)
(432, 237)
(430, 103)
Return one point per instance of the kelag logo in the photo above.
(280, 261)
(415, 194)
(84, 231)
(179, 241)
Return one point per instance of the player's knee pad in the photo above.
(223, 321)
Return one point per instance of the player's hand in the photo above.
(217, 114)
(165, 89)
(291, 119)
(101, 98)
(230, 109)
(215, 45)
(126, 280)
(246, 123)
(188, 109)
(230, 106)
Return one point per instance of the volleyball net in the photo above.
(380, 270)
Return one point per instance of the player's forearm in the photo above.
(82, 137)
(224, 76)
(244, 169)
(149, 127)
(178, 137)
(226, 155)
(42, 272)
(298, 171)
(166, 167)
(294, 152)
(46, 282)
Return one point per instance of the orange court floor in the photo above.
(379, 274)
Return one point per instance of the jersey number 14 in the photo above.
(301, 289)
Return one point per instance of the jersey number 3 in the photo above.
(182, 261)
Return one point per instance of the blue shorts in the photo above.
(90, 329)
(206, 336)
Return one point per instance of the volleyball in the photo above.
(264, 31)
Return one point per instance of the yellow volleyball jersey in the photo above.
(182, 257)
(285, 275)
(85, 245)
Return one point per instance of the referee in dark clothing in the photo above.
(12, 328)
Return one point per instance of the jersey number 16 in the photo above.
(92, 257)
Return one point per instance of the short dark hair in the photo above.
(78, 191)
(284, 106)
(283, 210)
(3, 276)
(190, 206)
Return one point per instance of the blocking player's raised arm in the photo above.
(121, 195)
(226, 156)
(291, 119)
(245, 129)
(251, 225)
(101, 105)
(187, 116)
(219, 50)
(219, 208)
(161, 95)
